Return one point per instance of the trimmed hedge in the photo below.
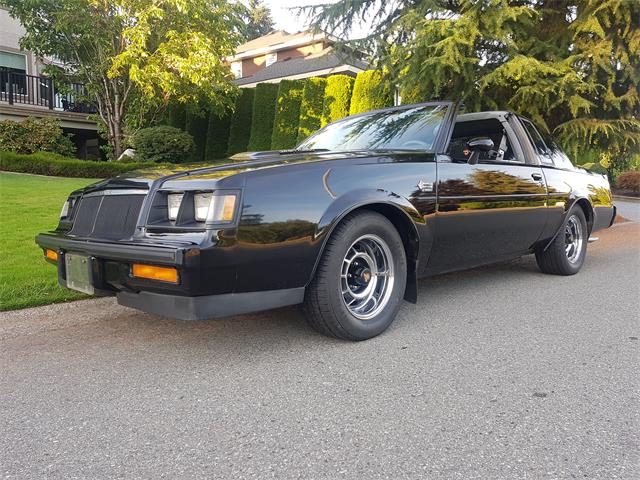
(240, 127)
(44, 163)
(285, 124)
(370, 92)
(264, 111)
(196, 125)
(217, 136)
(337, 98)
(311, 107)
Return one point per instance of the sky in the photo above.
(285, 19)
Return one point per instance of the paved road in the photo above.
(629, 209)
(501, 372)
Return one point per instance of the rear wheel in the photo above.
(567, 252)
(360, 281)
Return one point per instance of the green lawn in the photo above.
(29, 205)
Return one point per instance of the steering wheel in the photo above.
(415, 145)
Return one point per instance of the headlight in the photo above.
(214, 208)
(173, 204)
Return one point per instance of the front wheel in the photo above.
(567, 252)
(360, 280)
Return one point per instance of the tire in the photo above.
(568, 250)
(363, 242)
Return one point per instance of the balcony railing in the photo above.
(23, 89)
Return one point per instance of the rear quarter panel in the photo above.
(566, 187)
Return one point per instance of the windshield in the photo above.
(414, 128)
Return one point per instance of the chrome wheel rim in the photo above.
(573, 239)
(366, 278)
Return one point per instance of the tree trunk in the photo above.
(117, 140)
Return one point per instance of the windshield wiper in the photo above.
(306, 150)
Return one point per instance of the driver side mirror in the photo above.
(477, 145)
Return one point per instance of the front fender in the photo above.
(393, 206)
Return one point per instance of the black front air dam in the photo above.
(210, 306)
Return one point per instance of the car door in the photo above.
(492, 210)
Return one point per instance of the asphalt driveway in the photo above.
(500, 372)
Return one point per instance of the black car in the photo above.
(345, 223)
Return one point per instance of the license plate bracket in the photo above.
(78, 273)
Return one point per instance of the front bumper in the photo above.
(163, 255)
(206, 278)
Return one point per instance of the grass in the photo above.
(29, 205)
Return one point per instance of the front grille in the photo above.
(111, 217)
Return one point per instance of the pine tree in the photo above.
(258, 20)
(572, 66)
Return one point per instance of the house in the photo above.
(278, 55)
(26, 92)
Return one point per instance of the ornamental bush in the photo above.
(163, 144)
(217, 136)
(629, 182)
(311, 107)
(264, 110)
(197, 124)
(370, 92)
(285, 124)
(35, 135)
(337, 98)
(240, 128)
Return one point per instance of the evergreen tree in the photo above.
(258, 20)
(572, 66)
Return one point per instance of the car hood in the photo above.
(240, 163)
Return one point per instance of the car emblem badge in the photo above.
(425, 186)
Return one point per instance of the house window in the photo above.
(13, 63)
(271, 59)
(236, 69)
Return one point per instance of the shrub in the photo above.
(311, 107)
(46, 163)
(285, 123)
(35, 135)
(197, 124)
(163, 144)
(264, 110)
(337, 98)
(240, 127)
(217, 136)
(629, 182)
(370, 92)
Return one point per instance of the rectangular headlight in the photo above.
(214, 208)
(174, 200)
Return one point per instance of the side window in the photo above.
(538, 143)
(548, 152)
(463, 131)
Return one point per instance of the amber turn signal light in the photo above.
(51, 255)
(164, 274)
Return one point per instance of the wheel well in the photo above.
(409, 237)
(588, 212)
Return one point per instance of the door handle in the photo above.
(536, 176)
